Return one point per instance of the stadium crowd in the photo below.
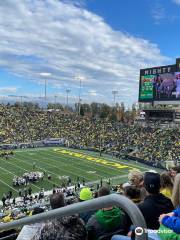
(148, 143)
(156, 195)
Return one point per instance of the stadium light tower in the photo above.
(45, 75)
(67, 96)
(80, 78)
(114, 92)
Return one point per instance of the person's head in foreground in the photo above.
(106, 220)
(135, 177)
(152, 182)
(85, 194)
(62, 228)
(166, 184)
(133, 193)
(104, 191)
(57, 200)
(66, 228)
(166, 180)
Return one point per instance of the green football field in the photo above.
(60, 163)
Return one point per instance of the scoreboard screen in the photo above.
(160, 83)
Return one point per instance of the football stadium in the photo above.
(89, 122)
(60, 166)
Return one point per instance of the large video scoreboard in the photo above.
(161, 84)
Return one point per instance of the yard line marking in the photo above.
(60, 158)
(85, 152)
(57, 176)
(40, 167)
(15, 174)
(106, 158)
(88, 163)
(55, 166)
(36, 167)
(8, 185)
(105, 179)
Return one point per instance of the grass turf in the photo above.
(60, 162)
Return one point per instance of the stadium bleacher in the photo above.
(21, 128)
(151, 144)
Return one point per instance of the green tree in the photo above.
(95, 108)
(86, 108)
(105, 110)
(113, 114)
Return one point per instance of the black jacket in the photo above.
(85, 216)
(152, 207)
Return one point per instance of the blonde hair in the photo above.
(176, 191)
(135, 173)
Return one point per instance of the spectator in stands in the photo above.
(157, 145)
(65, 228)
(169, 228)
(29, 231)
(57, 200)
(166, 184)
(62, 228)
(135, 177)
(176, 191)
(104, 221)
(174, 171)
(132, 193)
(155, 203)
(170, 221)
(85, 194)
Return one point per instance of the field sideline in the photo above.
(63, 162)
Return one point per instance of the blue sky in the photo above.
(157, 21)
(102, 42)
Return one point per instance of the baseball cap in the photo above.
(85, 194)
(152, 182)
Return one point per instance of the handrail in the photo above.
(9, 237)
(111, 200)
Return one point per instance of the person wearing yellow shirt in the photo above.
(7, 219)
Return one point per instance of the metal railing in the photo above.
(111, 200)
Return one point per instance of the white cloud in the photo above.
(158, 13)
(93, 93)
(8, 90)
(65, 40)
(161, 15)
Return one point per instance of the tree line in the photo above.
(94, 109)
